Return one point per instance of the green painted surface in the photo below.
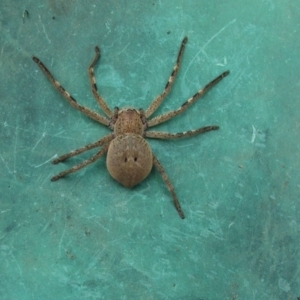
(87, 237)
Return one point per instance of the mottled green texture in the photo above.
(86, 236)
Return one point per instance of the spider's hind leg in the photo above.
(170, 186)
(82, 165)
(90, 146)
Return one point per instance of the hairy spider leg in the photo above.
(90, 146)
(171, 114)
(82, 165)
(95, 116)
(170, 186)
(157, 102)
(99, 99)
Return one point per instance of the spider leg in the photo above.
(157, 102)
(82, 165)
(99, 99)
(171, 136)
(95, 116)
(171, 114)
(90, 146)
(169, 185)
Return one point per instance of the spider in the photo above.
(129, 156)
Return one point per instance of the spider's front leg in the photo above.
(99, 99)
(171, 114)
(95, 116)
(159, 99)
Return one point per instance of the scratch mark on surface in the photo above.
(45, 227)
(45, 30)
(124, 48)
(214, 36)
(206, 186)
(59, 133)
(230, 224)
(45, 162)
(223, 64)
(43, 135)
(9, 171)
(1, 56)
(37, 132)
(107, 230)
(15, 145)
(64, 230)
(172, 234)
(138, 59)
(236, 78)
(14, 258)
(209, 41)
(253, 134)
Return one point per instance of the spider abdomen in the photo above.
(129, 159)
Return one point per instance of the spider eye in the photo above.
(135, 159)
(125, 159)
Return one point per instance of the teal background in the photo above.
(87, 237)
